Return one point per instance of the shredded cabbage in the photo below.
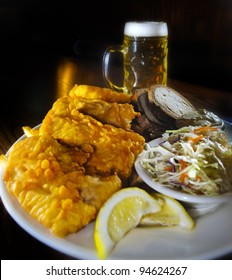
(196, 160)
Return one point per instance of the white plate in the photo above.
(210, 239)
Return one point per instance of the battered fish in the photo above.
(119, 115)
(115, 149)
(50, 183)
(66, 169)
(105, 94)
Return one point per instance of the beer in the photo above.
(145, 50)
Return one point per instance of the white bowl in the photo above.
(195, 204)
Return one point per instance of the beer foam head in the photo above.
(145, 29)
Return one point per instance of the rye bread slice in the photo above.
(154, 113)
(170, 101)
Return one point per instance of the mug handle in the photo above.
(106, 66)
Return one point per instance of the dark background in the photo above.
(200, 34)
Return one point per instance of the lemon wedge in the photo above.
(172, 213)
(121, 213)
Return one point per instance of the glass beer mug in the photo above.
(145, 51)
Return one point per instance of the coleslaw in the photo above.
(193, 159)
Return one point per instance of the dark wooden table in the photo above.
(28, 91)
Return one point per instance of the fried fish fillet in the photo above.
(66, 169)
(50, 183)
(115, 149)
(105, 94)
(119, 115)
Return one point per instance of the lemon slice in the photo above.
(171, 214)
(121, 213)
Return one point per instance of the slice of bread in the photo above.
(154, 113)
(169, 101)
